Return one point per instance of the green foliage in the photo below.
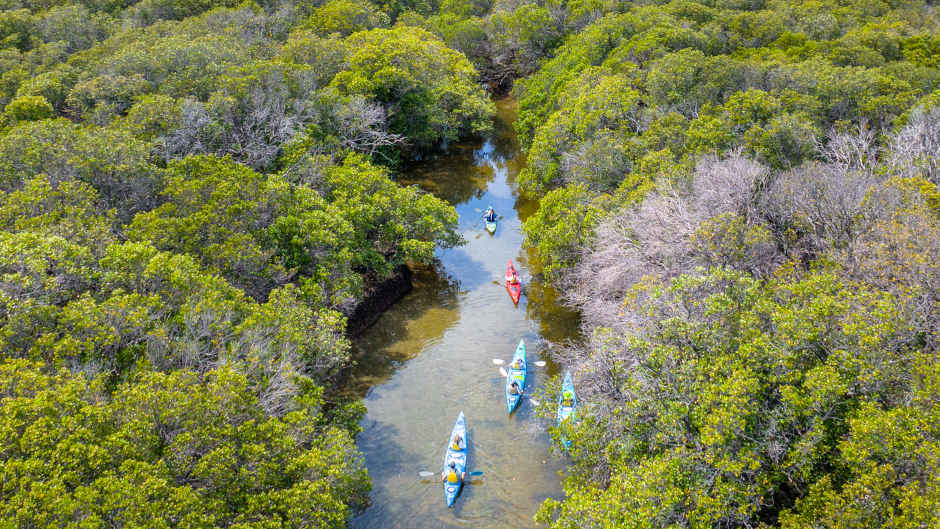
(777, 81)
(213, 208)
(328, 54)
(736, 396)
(588, 139)
(54, 86)
(771, 79)
(892, 454)
(153, 117)
(69, 210)
(214, 201)
(346, 17)
(785, 142)
(27, 108)
(562, 226)
(761, 347)
(148, 12)
(103, 98)
(538, 94)
(16, 29)
(178, 257)
(113, 162)
(430, 90)
(168, 450)
(260, 232)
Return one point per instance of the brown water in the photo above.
(430, 356)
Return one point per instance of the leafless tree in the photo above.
(252, 128)
(851, 152)
(899, 251)
(657, 238)
(187, 138)
(915, 149)
(257, 132)
(732, 184)
(816, 207)
(363, 126)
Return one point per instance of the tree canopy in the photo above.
(193, 198)
(741, 200)
(740, 197)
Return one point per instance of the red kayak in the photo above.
(513, 285)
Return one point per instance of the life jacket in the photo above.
(452, 476)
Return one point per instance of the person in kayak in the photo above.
(567, 399)
(514, 388)
(455, 445)
(516, 364)
(513, 278)
(451, 474)
(490, 214)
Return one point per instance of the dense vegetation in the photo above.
(192, 201)
(741, 197)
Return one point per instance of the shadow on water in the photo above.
(430, 308)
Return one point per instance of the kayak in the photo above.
(516, 374)
(564, 412)
(459, 457)
(515, 289)
(490, 226)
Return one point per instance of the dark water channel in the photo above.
(430, 355)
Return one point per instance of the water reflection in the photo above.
(455, 176)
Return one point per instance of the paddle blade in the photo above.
(540, 363)
(425, 474)
(502, 371)
(499, 361)
(534, 402)
(476, 473)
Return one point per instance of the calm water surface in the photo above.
(429, 357)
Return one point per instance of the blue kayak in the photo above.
(516, 374)
(460, 458)
(566, 409)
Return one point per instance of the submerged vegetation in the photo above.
(741, 197)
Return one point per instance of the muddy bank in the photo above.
(379, 299)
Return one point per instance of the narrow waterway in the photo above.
(429, 357)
